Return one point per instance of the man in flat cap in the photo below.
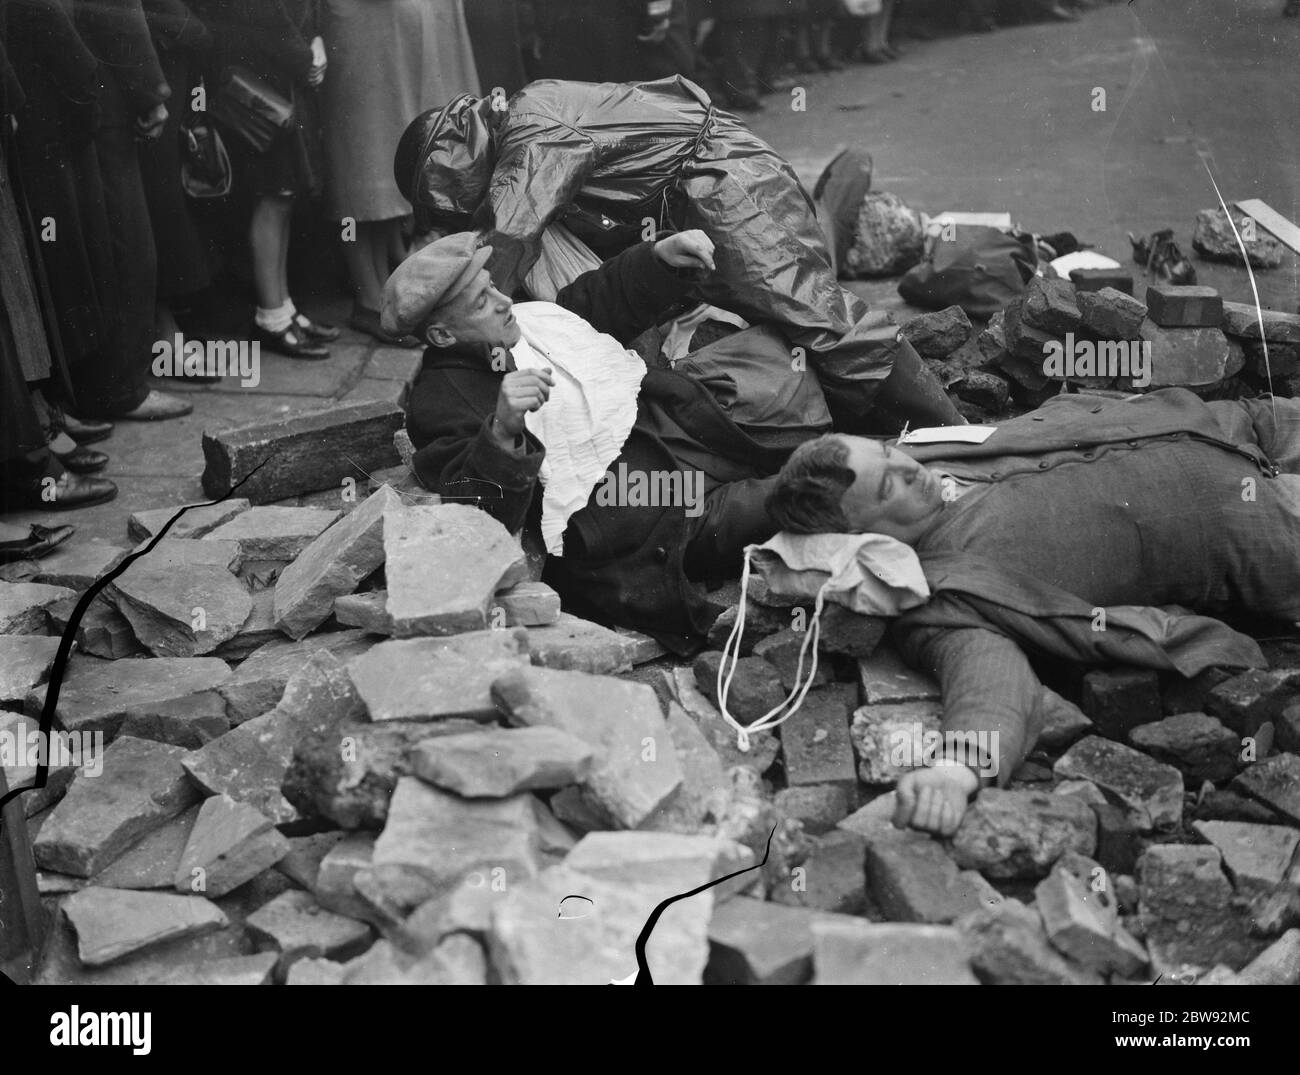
(640, 483)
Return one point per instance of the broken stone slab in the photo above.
(1257, 857)
(1247, 701)
(332, 565)
(79, 564)
(831, 878)
(675, 861)
(1109, 314)
(1049, 304)
(1008, 946)
(1275, 782)
(23, 605)
(236, 970)
(114, 923)
(302, 453)
(443, 564)
(257, 631)
(1150, 790)
(152, 861)
(1117, 700)
(187, 722)
(783, 650)
(577, 645)
(763, 749)
(1010, 834)
(274, 533)
(851, 951)
(1063, 721)
(499, 763)
(886, 680)
(1278, 964)
(641, 648)
(368, 610)
(1199, 746)
(755, 686)
(704, 791)
(258, 684)
(1185, 908)
(346, 772)
(102, 631)
(1186, 356)
(636, 767)
(541, 936)
(816, 744)
(818, 807)
(24, 664)
(891, 739)
(465, 909)
(459, 960)
(527, 604)
(249, 762)
(141, 786)
(1241, 319)
(430, 679)
(200, 519)
(334, 886)
(912, 878)
(433, 841)
(938, 334)
(301, 863)
(296, 927)
(20, 755)
(752, 942)
(1087, 933)
(1213, 237)
(230, 844)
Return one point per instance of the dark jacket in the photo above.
(117, 33)
(622, 565)
(270, 37)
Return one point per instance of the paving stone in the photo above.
(1009, 834)
(20, 753)
(912, 879)
(1151, 790)
(77, 565)
(499, 763)
(782, 651)
(302, 453)
(23, 604)
(675, 861)
(187, 722)
(849, 951)
(200, 519)
(832, 878)
(1275, 782)
(1187, 356)
(1214, 238)
(815, 742)
(230, 843)
(1241, 319)
(152, 861)
(346, 772)
(368, 610)
(332, 565)
(763, 749)
(1008, 946)
(818, 807)
(142, 785)
(850, 633)
(577, 645)
(24, 663)
(938, 334)
(430, 679)
(886, 680)
(760, 621)
(249, 762)
(102, 631)
(756, 943)
(1186, 910)
(1085, 280)
(1257, 857)
(237, 970)
(636, 766)
(1049, 304)
(1110, 314)
(257, 631)
(1180, 306)
(527, 604)
(1199, 746)
(1278, 964)
(258, 683)
(1118, 700)
(890, 739)
(334, 886)
(540, 938)
(1063, 721)
(1247, 701)
(275, 533)
(1085, 931)
(301, 863)
(704, 791)
(432, 841)
(296, 927)
(114, 923)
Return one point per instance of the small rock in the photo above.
(1199, 746)
(1214, 239)
(301, 864)
(674, 861)
(755, 685)
(891, 739)
(1276, 783)
(229, 844)
(1008, 946)
(236, 970)
(1049, 305)
(1110, 314)
(1256, 857)
(1085, 280)
(498, 763)
(577, 645)
(757, 943)
(257, 631)
(197, 520)
(760, 621)
(1187, 356)
(1022, 833)
(334, 886)
(1224, 804)
(983, 389)
(938, 334)
(1150, 789)
(113, 923)
(459, 960)
(528, 604)
(763, 749)
(1288, 729)
(818, 807)
(296, 927)
(1119, 841)
(1118, 700)
(886, 680)
(782, 651)
(23, 604)
(274, 533)
(1082, 789)
(850, 951)
(1252, 698)
(313, 972)
(1084, 929)
(257, 685)
(912, 878)
(368, 610)
(816, 744)
(832, 878)
(1241, 319)
(1063, 722)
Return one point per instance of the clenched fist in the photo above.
(521, 391)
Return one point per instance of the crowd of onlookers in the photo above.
(152, 145)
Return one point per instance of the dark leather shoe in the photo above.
(316, 330)
(292, 342)
(68, 492)
(83, 460)
(157, 407)
(39, 541)
(83, 430)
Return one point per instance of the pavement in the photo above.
(995, 122)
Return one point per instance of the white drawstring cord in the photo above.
(798, 692)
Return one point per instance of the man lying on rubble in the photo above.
(526, 409)
(1070, 532)
(605, 158)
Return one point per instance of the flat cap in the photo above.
(429, 278)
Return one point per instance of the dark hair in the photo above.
(809, 488)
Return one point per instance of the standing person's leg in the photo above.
(275, 321)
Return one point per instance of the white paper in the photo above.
(949, 435)
(1082, 259)
(1272, 221)
(934, 225)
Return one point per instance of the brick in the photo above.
(1248, 700)
(938, 334)
(816, 744)
(1010, 834)
(577, 645)
(912, 879)
(1085, 931)
(885, 680)
(1173, 306)
(275, 533)
(760, 621)
(754, 689)
(1086, 280)
(1275, 782)
(1257, 857)
(782, 651)
(818, 807)
(258, 683)
(1025, 351)
(848, 951)
(1110, 314)
(1197, 745)
(1049, 305)
(1150, 790)
(302, 453)
(890, 739)
(113, 923)
(757, 943)
(1241, 319)
(1118, 700)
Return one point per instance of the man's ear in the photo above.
(438, 335)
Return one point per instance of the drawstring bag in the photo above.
(981, 269)
(871, 574)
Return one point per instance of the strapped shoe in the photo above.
(316, 330)
(293, 342)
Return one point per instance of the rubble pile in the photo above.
(397, 761)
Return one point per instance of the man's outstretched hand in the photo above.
(686, 250)
(934, 799)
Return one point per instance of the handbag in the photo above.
(249, 106)
(205, 164)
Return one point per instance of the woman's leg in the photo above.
(268, 241)
(362, 258)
